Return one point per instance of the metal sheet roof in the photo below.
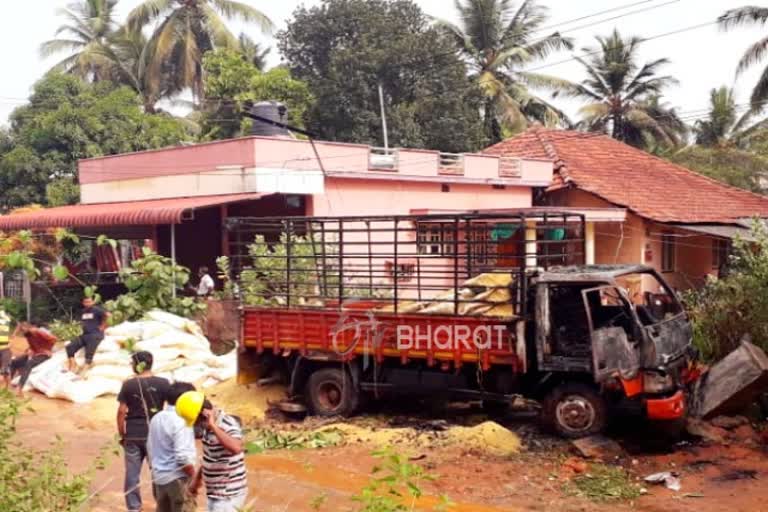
(719, 230)
(157, 211)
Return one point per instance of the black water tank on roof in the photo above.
(274, 111)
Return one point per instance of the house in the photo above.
(678, 221)
(179, 199)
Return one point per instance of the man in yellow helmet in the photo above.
(5, 347)
(171, 449)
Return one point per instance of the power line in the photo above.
(642, 40)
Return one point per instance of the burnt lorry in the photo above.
(465, 306)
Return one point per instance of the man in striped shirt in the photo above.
(223, 469)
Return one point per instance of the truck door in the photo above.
(612, 327)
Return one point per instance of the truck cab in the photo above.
(608, 335)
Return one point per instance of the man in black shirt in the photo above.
(140, 398)
(93, 321)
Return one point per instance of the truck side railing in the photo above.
(448, 264)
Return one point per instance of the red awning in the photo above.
(157, 211)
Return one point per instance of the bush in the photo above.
(151, 281)
(727, 309)
(36, 480)
(65, 330)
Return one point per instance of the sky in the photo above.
(702, 58)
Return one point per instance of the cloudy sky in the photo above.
(702, 58)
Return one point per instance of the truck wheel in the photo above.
(574, 410)
(330, 392)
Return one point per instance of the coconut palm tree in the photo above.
(624, 97)
(723, 125)
(88, 24)
(185, 30)
(128, 54)
(744, 17)
(499, 39)
(253, 52)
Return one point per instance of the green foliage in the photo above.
(729, 164)
(61, 192)
(151, 281)
(266, 282)
(225, 276)
(37, 480)
(265, 439)
(345, 48)
(15, 308)
(727, 309)
(624, 96)
(232, 80)
(68, 119)
(604, 483)
(394, 485)
(500, 40)
(65, 330)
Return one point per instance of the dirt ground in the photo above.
(537, 478)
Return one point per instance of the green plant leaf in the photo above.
(60, 272)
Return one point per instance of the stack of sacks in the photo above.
(483, 295)
(180, 351)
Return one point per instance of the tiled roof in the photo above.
(623, 175)
(150, 212)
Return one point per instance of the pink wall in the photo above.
(168, 161)
(344, 196)
(638, 241)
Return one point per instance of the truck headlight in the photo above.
(657, 382)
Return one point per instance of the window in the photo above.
(667, 253)
(436, 239)
(482, 247)
(402, 272)
(720, 250)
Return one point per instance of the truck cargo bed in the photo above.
(346, 334)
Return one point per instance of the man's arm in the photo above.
(122, 412)
(232, 442)
(104, 320)
(185, 451)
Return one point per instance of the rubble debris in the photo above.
(671, 480)
(574, 465)
(732, 384)
(738, 474)
(598, 447)
(706, 431)
(729, 422)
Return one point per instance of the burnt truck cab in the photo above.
(609, 335)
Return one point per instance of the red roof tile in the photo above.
(623, 175)
(157, 211)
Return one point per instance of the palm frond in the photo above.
(753, 55)
(217, 29)
(232, 9)
(54, 46)
(748, 15)
(147, 12)
(540, 81)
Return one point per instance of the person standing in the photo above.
(171, 448)
(223, 469)
(206, 285)
(140, 398)
(5, 347)
(41, 342)
(93, 321)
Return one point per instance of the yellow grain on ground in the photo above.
(488, 437)
(248, 402)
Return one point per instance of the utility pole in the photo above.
(383, 119)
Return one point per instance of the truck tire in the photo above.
(330, 392)
(574, 410)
